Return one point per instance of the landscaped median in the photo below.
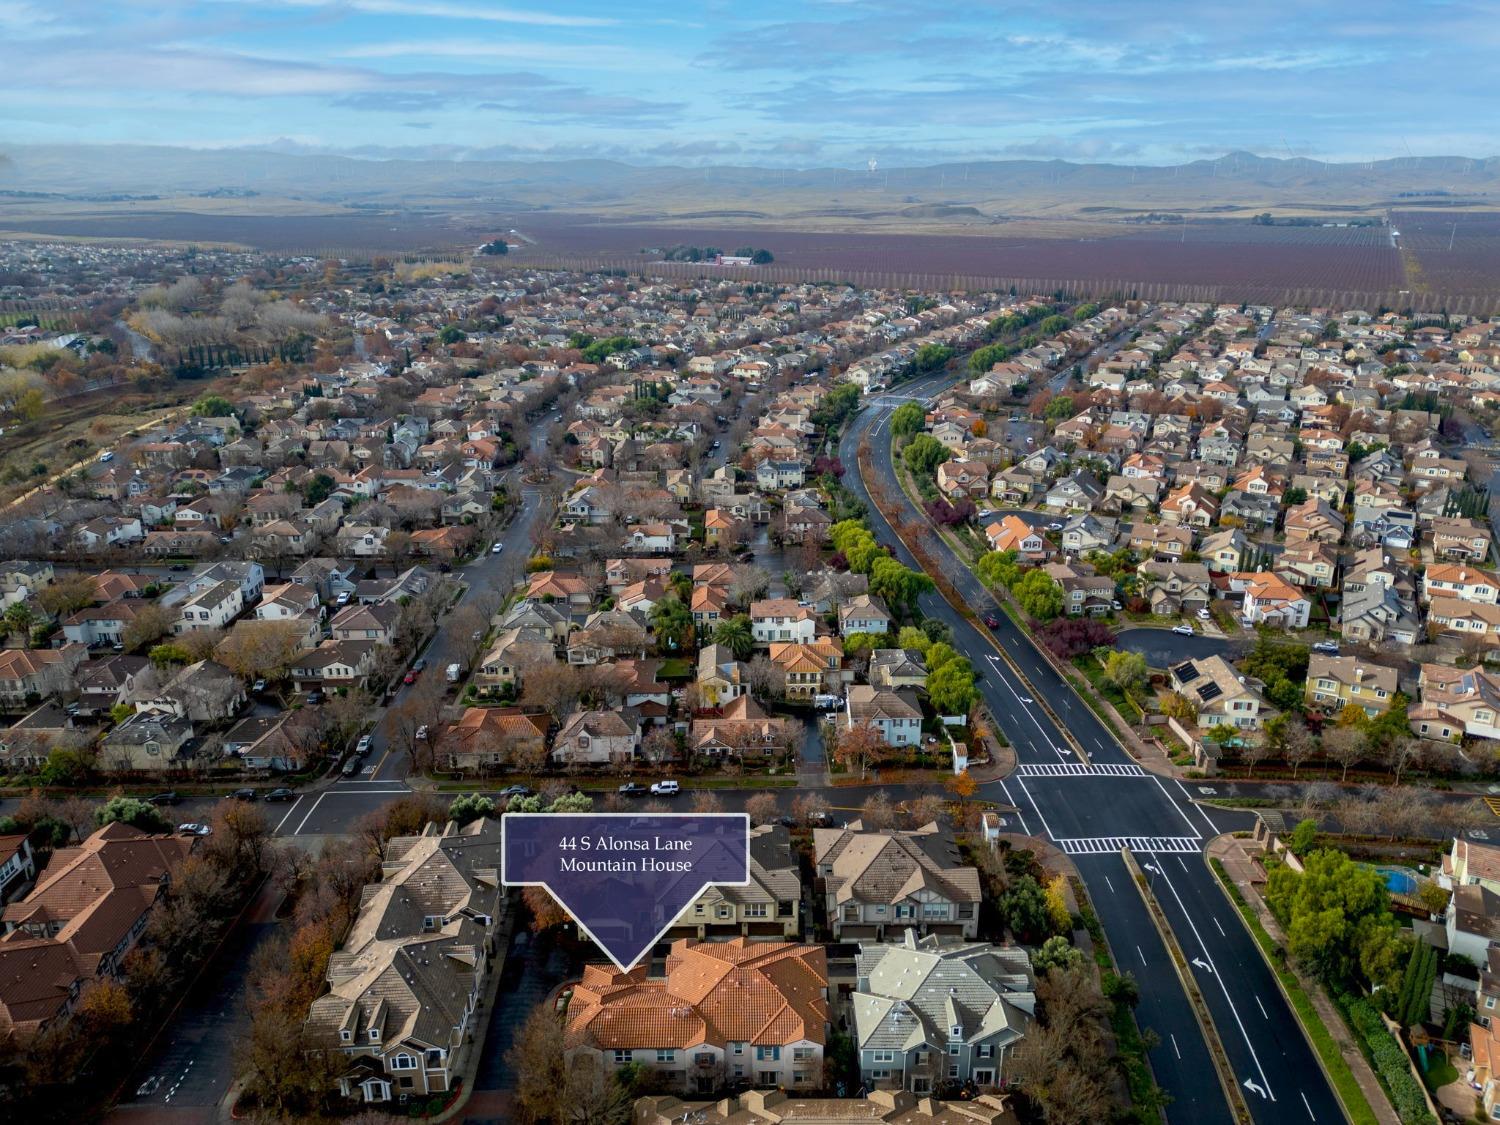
(1347, 1088)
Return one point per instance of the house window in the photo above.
(738, 1048)
(432, 921)
(374, 1035)
(403, 1062)
(1489, 1001)
(953, 1070)
(621, 1056)
(768, 1054)
(882, 1056)
(755, 910)
(986, 1051)
(434, 1058)
(725, 912)
(666, 1055)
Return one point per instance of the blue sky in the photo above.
(813, 83)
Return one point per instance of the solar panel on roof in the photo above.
(1186, 673)
(1210, 691)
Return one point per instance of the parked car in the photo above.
(1328, 648)
(343, 598)
(410, 677)
(418, 664)
(281, 795)
(314, 698)
(632, 789)
(667, 788)
(258, 686)
(515, 791)
(353, 765)
(168, 798)
(194, 829)
(241, 795)
(497, 548)
(1204, 615)
(362, 747)
(107, 455)
(820, 819)
(421, 735)
(1183, 630)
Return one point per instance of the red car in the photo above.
(410, 677)
(991, 621)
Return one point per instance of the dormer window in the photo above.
(374, 1035)
(345, 1035)
(955, 1032)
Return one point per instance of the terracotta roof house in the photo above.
(489, 738)
(887, 881)
(1014, 534)
(85, 913)
(725, 1012)
(773, 1107)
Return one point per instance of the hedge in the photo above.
(1390, 1060)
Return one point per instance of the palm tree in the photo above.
(735, 635)
(673, 622)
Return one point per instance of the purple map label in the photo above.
(625, 878)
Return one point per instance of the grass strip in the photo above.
(1356, 1105)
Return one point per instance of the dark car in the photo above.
(992, 621)
(280, 795)
(242, 795)
(168, 798)
(515, 791)
(178, 566)
(632, 789)
(418, 664)
(314, 698)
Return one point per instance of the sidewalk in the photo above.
(1243, 870)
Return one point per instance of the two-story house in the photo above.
(879, 882)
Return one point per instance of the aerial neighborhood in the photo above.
(384, 551)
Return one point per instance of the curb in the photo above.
(1238, 1107)
(1281, 988)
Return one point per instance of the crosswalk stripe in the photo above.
(1494, 804)
(1077, 769)
(1108, 845)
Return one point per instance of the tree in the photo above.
(132, 811)
(962, 785)
(19, 619)
(213, 406)
(151, 623)
(255, 649)
(1252, 750)
(537, 1058)
(673, 623)
(998, 568)
(734, 633)
(1298, 744)
(923, 454)
(1038, 595)
(899, 585)
(1023, 907)
(470, 806)
(1344, 746)
(907, 419)
(67, 594)
(859, 746)
(545, 910)
(950, 688)
(706, 802)
(809, 807)
(1330, 911)
(1303, 837)
(1126, 670)
(876, 812)
(762, 809)
(1056, 953)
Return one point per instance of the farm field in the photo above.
(1456, 252)
(1256, 261)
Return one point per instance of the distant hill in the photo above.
(455, 180)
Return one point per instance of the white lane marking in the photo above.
(1108, 884)
(1045, 736)
(1021, 781)
(298, 830)
(1309, 1107)
(1191, 827)
(1167, 879)
(277, 830)
(1141, 955)
(1175, 1047)
(1262, 1008)
(1019, 814)
(1222, 934)
(1181, 863)
(1212, 827)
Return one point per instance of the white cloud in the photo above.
(438, 10)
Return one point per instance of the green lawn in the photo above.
(1440, 1072)
(1349, 1092)
(675, 668)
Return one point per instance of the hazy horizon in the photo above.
(828, 84)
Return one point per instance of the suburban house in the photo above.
(880, 882)
(490, 738)
(896, 715)
(86, 912)
(809, 669)
(149, 741)
(1014, 534)
(936, 1010)
(597, 738)
(767, 908)
(864, 613)
(1334, 682)
(1223, 697)
(896, 668)
(779, 620)
(211, 608)
(404, 985)
(1272, 601)
(30, 675)
(731, 1012)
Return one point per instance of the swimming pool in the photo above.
(1400, 880)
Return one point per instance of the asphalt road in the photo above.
(1093, 809)
(1163, 648)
